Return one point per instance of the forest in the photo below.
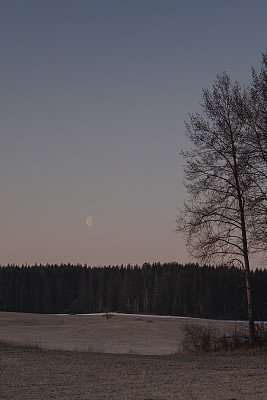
(217, 292)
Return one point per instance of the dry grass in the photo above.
(5, 343)
(30, 373)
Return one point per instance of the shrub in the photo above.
(204, 338)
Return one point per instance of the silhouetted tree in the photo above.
(254, 112)
(217, 221)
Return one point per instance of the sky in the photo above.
(94, 95)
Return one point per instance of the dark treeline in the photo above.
(165, 289)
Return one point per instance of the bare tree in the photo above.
(254, 110)
(217, 221)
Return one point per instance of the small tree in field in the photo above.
(218, 220)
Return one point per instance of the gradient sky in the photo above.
(93, 96)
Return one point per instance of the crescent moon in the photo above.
(89, 221)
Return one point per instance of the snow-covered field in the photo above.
(166, 316)
(121, 333)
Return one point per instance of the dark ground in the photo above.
(33, 374)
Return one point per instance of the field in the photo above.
(127, 357)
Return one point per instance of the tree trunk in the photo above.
(248, 283)
(245, 247)
(250, 308)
